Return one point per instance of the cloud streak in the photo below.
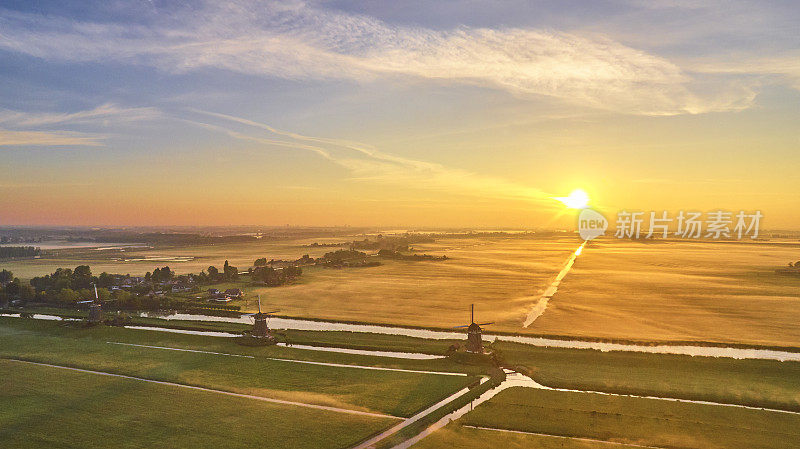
(297, 41)
(42, 138)
(19, 128)
(101, 114)
(365, 163)
(786, 66)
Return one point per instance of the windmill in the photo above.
(474, 342)
(95, 310)
(260, 320)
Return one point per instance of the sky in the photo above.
(413, 113)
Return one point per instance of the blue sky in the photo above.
(362, 112)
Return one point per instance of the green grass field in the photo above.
(455, 435)
(49, 407)
(394, 393)
(635, 420)
(759, 383)
(762, 383)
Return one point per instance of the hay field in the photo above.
(676, 290)
(705, 291)
(501, 276)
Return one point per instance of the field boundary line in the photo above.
(179, 349)
(308, 362)
(211, 390)
(376, 368)
(593, 440)
(669, 399)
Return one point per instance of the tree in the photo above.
(86, 294)
(261, 262)
(105, 280)
(27, 293)
(103, 293)
(266, 275)
(163, 274)
(82, 277)
(68, 296)
(127, 300)
(167, 274)
(273, 277)
(6, 277)
(230, 272)
(213, 274)
(292, 271)
(13, 288)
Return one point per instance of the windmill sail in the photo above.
(474, 342)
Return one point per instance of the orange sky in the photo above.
(450, 116)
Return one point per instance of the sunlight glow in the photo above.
(578, 199)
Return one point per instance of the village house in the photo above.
(234, 293)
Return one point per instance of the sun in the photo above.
(578, 199)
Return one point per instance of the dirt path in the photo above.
(393, 430)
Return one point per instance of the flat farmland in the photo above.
(181, 259)
(674, 290)
(259, 374)
(502, 277)
(704, 291)
(634, 421)
(197, 391)
(50, 407)
(474, 438)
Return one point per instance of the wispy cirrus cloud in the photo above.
(103, 114)
(368, 164)
(34, 128)
(297, 41)
(48, 138)
(786, 66)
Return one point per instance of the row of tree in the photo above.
(7, 252)
(67, 286)
(79, 278)
(212, 275)
(160, 275)
(273, 277)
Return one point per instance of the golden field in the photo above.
(673, 290)
(684, 290)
